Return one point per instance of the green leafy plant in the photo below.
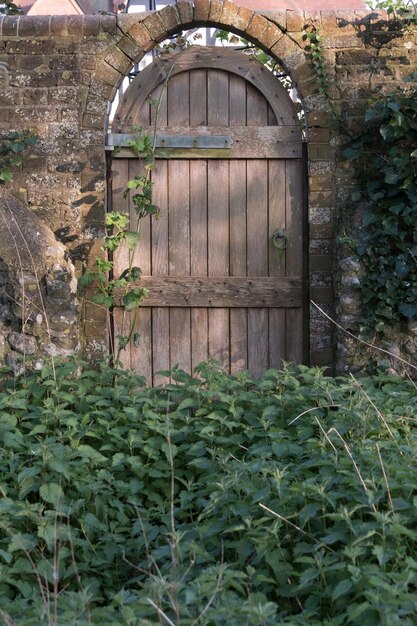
(211, 500)
(385, 156)
(404, 8)
(12, 146)
(8, 7)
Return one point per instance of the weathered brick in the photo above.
(117, 59)
(131, 49)
(289, 53)
(186, 11)
(107, 74)
(319, 151)
(321, 263)
(322, 295)
(257, 27)
(321, 231)
(9, 25)
(141, 37)
(201, 10)
(170, 18)
(321, 198)
(91, 25)
(33, 26)
(271, 35)
(156, 27)
(321, 358)
(109, 24)
(229, 13)
(242, 19)
(295, 21)
(216, 8)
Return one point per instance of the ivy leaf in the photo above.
(132, 239)
(409, 310)
(133, 299)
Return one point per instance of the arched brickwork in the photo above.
(140, 34)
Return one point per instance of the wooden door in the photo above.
(229, 186)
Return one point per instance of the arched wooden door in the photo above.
(224, 263)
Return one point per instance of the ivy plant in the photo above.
(7, 7)
(12, 146)
(385, 155)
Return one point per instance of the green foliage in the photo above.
(7, 7)
(386, 158)
(404, 8)
(12, 146)
(211, 500)
(122, 291)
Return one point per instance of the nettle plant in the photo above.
(386, 168)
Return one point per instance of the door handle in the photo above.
(279, 239)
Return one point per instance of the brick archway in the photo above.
(137, 34)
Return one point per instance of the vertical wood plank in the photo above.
(179, 259)
(198, 217)
(257, 211)
(238, 230)
(277, 219)
(218, 216)
(218, 254)
(160, 315)
(179, 222)
(294, 256)
(198, 260)
(198, 98)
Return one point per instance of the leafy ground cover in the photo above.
(212, 500)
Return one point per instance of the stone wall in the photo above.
(57, 75)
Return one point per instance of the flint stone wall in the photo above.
(58, 74)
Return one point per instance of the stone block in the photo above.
(91, 25)
(117, 59)
(186, 11)
(33, 26)
(216, 8)
(257, 27)
(277, 17)
(201, 10)
(156, 27)
(170, 18)
(243, 19)
(229, 13)
(9, 25)
(131, 49)
(271, 35)
(141, 37)
(295, 21)
(107, 74)
(109, 24)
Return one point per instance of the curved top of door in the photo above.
(199, 57)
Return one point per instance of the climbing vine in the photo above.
(12, 146)
(385, 156)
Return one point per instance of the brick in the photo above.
(109, 24)
(216, 8)
(186, 11)
(295, 21)
(321, 231)
(10, 25)
(320, 183)
(256, 27)
(319, 151)
(201, 10)
(303, 72)
(59, 25)
(243, 19)
(107, 74)
(277, 17)
(91, 25)
(321, 198)
(156, 27)
(33, 26)
(322, 295)
(271, 35)
(229, 13)
(93, 120)
(321, 358)
(141, 37)
(117, 59)
(289, 53)
(319, 119)
(131, 49)
(170, 18)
